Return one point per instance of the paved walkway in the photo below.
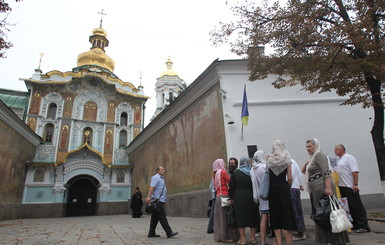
(123, 229)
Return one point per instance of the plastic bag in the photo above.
(321, 213)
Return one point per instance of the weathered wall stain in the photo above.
(183, 147)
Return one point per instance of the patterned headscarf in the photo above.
(280, 157)
(244, 165)
(218, 166)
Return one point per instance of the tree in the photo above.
(4, 44)
(321, 45)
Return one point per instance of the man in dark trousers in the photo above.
(158, 191)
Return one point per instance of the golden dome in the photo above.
(99, 31)
(169, 71)
(97, 56)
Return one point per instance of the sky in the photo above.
(142, 35)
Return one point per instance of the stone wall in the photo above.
(186, 146)
(14, 152)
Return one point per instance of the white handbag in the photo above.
(225, 202)
(338, 218)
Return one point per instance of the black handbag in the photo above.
(321, 213)
(153, 207)
(230, 217)
(209, 208)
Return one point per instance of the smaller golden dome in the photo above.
(169, 71)
(99, 31)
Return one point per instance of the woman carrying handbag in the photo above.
(222, 233)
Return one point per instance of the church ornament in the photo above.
(52, 97)
(90, 95)
(45, 153)
(121, 156)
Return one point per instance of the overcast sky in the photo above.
(142, 35)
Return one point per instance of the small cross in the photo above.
(101, 17)
(41, 57)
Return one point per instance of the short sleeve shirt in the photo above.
(345, 167)
(157, 181)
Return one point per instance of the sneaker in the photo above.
(362, 230)
(296, 238)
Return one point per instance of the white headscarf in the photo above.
(280, 157)
(259, 160)
(317, 148)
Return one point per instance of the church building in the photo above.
(86, 117)
(167, 87)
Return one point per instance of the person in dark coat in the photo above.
(136, 204)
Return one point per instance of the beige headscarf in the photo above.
(280, 157)
(317, 146)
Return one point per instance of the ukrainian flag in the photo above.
(245, 110)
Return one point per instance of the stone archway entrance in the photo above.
(82, 194)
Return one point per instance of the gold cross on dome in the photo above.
(101, 17)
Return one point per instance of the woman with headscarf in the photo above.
(319, 183)
(221, 182)
(281, 207)
(136, 204)
(257, 173)
(245, 209)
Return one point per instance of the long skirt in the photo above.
(221, 232)
(317, 188)
(297, 206)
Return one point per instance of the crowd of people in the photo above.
(280, 215)
(239, 202)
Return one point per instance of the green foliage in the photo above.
(4, 44)
(322, 45)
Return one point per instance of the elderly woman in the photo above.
(221, 181)
(245, 209)
(319, 183)
(281, 207)
(136, 204)
(257, 173)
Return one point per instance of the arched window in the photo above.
(122, 138)
(90, 111)
(38, 176)
(123, 119)
(170, 97)
(52, 108)
(48, 133)
(120, 177)
(87, 135)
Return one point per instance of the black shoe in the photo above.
(153, 235)
(210, 231)
(172, 234)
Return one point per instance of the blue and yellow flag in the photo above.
(245, 110)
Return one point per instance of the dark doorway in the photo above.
(82, 196)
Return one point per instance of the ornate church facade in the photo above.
(86, 118)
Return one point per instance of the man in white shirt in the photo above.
(347, 169)
(296, 188)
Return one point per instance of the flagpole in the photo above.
(242, 133)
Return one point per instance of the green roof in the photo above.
(14, 99)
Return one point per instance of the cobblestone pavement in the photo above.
(123, 229)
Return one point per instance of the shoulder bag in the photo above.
(154, 207)
(338, 218)
(265, 186)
